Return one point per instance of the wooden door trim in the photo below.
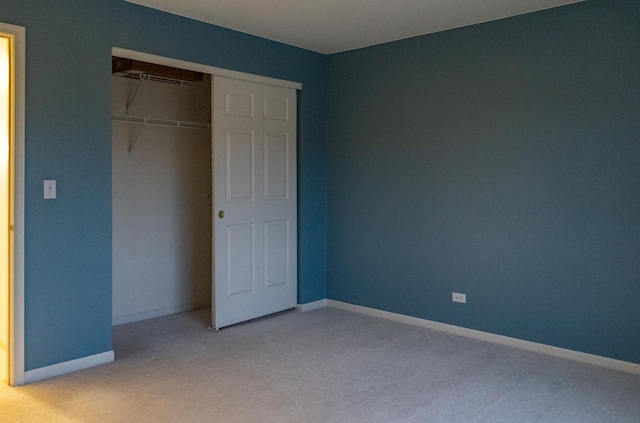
(16, 283)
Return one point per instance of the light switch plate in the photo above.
(49, 189)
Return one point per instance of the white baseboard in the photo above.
(68, 367)
(161, 312)
(623, 366)
(312, 306)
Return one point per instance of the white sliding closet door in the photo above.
(254, 214)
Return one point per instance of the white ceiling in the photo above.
(331, 26)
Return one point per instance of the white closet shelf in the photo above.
(163, 122)
(166, 80)
(155, 121)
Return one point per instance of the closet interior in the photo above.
(161, 190)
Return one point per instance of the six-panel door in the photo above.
(254, 179)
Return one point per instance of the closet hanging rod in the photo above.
(163, 122)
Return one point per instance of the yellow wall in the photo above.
(5, 133)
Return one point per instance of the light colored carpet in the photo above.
(326, 365)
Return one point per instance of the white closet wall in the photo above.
(161, 202)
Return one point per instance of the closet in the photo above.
(161, 190)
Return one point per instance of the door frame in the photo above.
(16, 262)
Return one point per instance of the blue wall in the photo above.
(68, 138)
(500, 160)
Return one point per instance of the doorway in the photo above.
(161, 190)
(261, 160)
(11, 204)
(6, 104)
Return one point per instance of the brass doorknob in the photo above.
(221, 214)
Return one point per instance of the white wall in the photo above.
(161, 207)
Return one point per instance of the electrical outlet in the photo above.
(458, 298)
